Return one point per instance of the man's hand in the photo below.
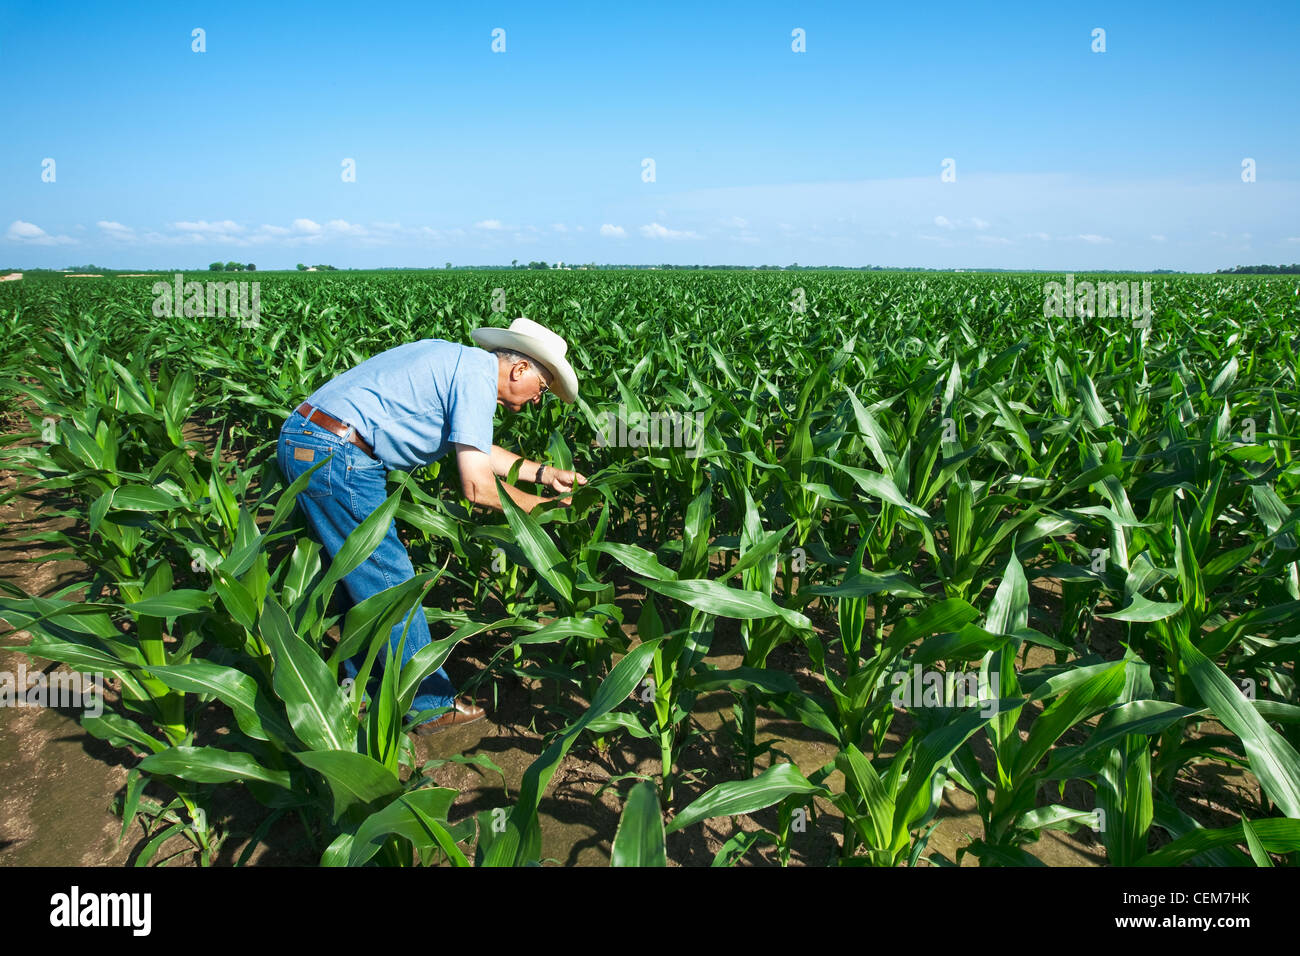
(564, 482)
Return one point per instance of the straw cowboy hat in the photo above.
(538, 342)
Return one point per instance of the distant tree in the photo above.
(449, 265)
(301, 267)
(216, 266)
(234, 267)
(1292, 269)
(514, 263)
(251, 267)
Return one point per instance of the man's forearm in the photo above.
(487, 497)
(503, 461)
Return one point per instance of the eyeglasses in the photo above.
(540, 381)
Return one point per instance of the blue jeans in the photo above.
(338, 497)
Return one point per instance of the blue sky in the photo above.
(1065, 158)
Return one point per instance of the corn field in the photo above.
(1050, 563)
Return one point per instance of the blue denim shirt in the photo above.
(412, 402)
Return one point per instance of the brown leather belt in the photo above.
(331, 424)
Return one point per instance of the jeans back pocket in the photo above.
(300, 455)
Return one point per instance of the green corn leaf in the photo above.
(256, 715)
(1144, 610)
(1009, 612)
(1079, 703)
(210, 765)
(1276, 835)
(354, 779)
(1273, 760)
(877, 486)
(868, 787)
(715, 597)
(317, 710)
(539, 549)
(172, 604)
(379, 613)
(639, 840)
(1254, 844)
(143, 498)
(745, 796)
(236, 599)
(407, 816)
(636, 559)
(119, 731)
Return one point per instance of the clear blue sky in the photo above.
(1064, 158)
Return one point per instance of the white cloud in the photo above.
(993, 240)
(20, 231)
(223, 227)
(1156, 237)
(116, 230)
(306, 225)
(344, 228)
(560, 227)
(735, 222)
(617, 231)
(1042, 236)
(974, 222)
(493, 224)
(1093, 238)
(1292, 239)
(656, 231)
(1218, 235)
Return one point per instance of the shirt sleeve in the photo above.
(472, 403)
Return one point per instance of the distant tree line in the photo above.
(1293, 269)
(232, 267)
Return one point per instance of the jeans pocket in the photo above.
(300, 455)
(358, 460)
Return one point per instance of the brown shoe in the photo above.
(462, 712)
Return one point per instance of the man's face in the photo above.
(521, 383)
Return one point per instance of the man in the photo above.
(405, 408)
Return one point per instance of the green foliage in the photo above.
(884, 475)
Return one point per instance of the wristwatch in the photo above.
(540, 469)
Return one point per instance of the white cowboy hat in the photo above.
(536, 341)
